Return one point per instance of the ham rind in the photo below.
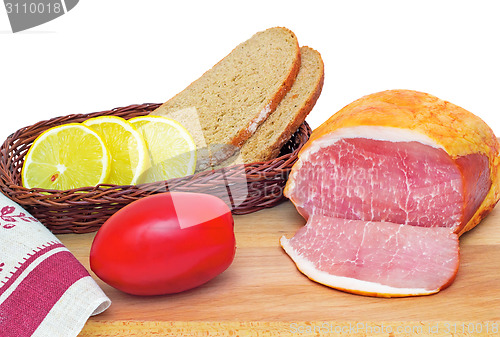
(375, 258)
(405, 182)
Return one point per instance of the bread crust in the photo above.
(302, 114)
(251, 151)
(270, 107)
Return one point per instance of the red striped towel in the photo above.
(44, 289)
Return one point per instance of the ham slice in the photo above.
(375, 258)
(395, 177)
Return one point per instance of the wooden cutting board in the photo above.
(263, 294)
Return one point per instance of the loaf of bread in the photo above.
(278, 128)
(226, 105)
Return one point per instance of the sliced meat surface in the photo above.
(401, 182)
(375, 258)
(477, 182)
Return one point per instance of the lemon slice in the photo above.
(171, 147)
(66, 157)
(128, 150)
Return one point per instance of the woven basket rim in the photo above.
(15, 147)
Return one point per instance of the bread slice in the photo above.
(226, 105)
(267, 141)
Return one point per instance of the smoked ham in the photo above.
(388, 184)
(374, 258)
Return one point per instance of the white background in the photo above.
(105, 54)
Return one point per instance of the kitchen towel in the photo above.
(44, 289)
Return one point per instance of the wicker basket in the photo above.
(246, 188)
